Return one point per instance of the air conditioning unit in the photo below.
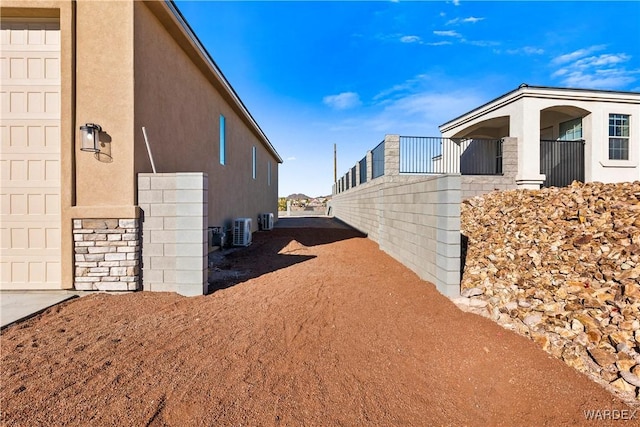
(217, 238)
(266, 221)
(242, 232)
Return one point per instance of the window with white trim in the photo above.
(223, 142)
(253, 166)
(571, 130)
(618, 137)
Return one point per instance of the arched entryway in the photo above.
(562, 145)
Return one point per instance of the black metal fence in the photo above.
(435, 155)
(354, 181)
(562, 162)
(377, 158)
(363, 170)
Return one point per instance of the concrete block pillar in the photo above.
(510, 157)
(392, 154)
(369, 165)
(174, 232)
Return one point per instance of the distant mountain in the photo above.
(301, 196)
(297, 196)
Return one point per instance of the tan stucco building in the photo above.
(123, 65)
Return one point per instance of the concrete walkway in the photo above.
(20, 305)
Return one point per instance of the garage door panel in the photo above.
(30, 155)
(18, 240)
(20, 136)
(39, 34)
(24, 68)
(30, 204)
(24, 102)
(24, 275)
(32, 172)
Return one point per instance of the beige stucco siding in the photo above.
(180, 107)
(104, 95)
(124, 65)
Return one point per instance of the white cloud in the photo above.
(602, 60)
(470, 19)
(456, 2)
(410, 39)
(422, 112)
(581, 69)
(415, 105)
(290, 159)
(407, 85)
(603, 79)
(560, 72)
(442, 43)
(568, 57)
(342, 101)
(526, 50)
(481, 43)
(448, 33)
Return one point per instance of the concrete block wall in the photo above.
(415, 219)
(174, 232)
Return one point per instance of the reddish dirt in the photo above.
(324, 330)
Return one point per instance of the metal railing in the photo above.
(435, 155)
(363, 170)
(562, 162)
(430, 155)
(377, 161)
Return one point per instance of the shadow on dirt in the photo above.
(282, 247)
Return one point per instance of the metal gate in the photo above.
(562, 162)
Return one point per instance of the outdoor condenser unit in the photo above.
(242, 232)
(266, 221)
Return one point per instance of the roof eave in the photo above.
(525, 90)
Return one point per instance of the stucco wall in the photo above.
(115, 72)
(96, 86)
(532, 110)
(104, 95)
(179, 104)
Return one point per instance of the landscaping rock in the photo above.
(562, 267)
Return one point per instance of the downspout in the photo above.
(74, 14)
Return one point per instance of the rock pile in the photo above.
(562, 266)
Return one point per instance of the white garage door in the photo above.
(30, 155)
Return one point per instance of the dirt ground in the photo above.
(319, 328)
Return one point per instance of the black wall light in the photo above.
(90, 135)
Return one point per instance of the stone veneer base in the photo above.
(107, 254)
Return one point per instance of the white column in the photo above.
(525, 125)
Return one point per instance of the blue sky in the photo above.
(317, 73)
